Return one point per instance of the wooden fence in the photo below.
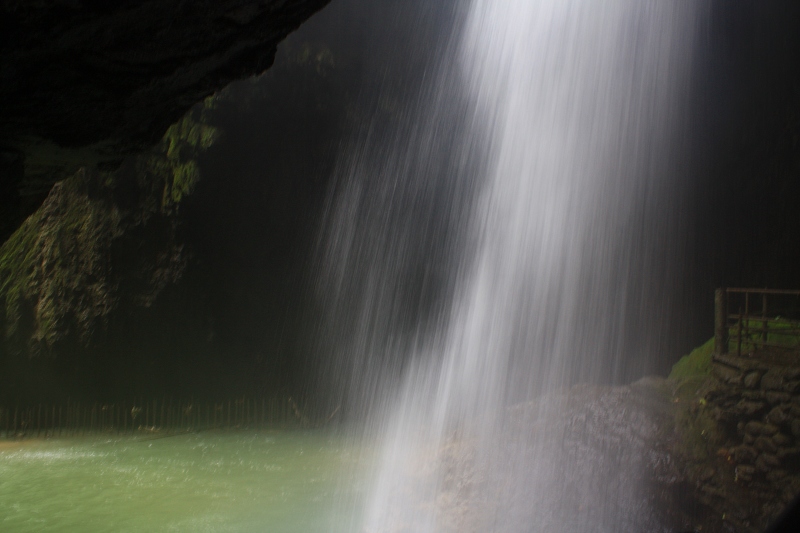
(748, 321)
(154, 416)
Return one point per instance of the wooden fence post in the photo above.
(720, 322)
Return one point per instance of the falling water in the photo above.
(489, 253)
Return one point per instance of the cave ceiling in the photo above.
(87, 83)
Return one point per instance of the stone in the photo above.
(792, 386)
(773, 379)
(784, 453)
(748, 408)
(752, 380)
(781, 440)
(795, 425)
(776, 416)
(748, 438)
(706, 474)
(769, 429)
(765, 444)
(776, 475)
(754, 427)
(774, 397)
(753, 394)
(766, 462)
(727, 374)
(745, 454)
(744, 472)
(733, 361)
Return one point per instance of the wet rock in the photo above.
(776, 475)
(792, 386)
(744, 472)
(753, 394)
(766, 462)
(788, 453)
(781, 440)
(753, 427)
(745, 454)
(776, 416)
(706, 474)
(796, 427)
(774, 397)
(769, 429)
(740, 363)
(773, 380)
(748, 438)
(748, 408)
(728, 375)
(765, 444)
(752, 380)
(756, 428)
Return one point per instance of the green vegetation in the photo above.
(56, 271)
(780, 331)
(697, 363)
(697, 429)
(16, 258)
(54, 264)
(173, 166)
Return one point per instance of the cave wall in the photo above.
(90, 82)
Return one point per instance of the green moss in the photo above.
(697, 363)
(174, 164)
(56, 275)
(17, 257)
(55, 263)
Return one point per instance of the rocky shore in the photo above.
(715, 451)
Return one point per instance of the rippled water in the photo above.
(242, 482)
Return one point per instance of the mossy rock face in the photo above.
(65, 105)
(55, 265)
(99, 239)
(733, 437)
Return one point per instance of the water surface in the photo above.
(207, 481)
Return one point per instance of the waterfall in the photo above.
(491, 251)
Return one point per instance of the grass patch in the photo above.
(697, 363)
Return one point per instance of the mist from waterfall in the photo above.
(490, 252)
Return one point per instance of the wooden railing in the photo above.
(756, 320)
(152, 416)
